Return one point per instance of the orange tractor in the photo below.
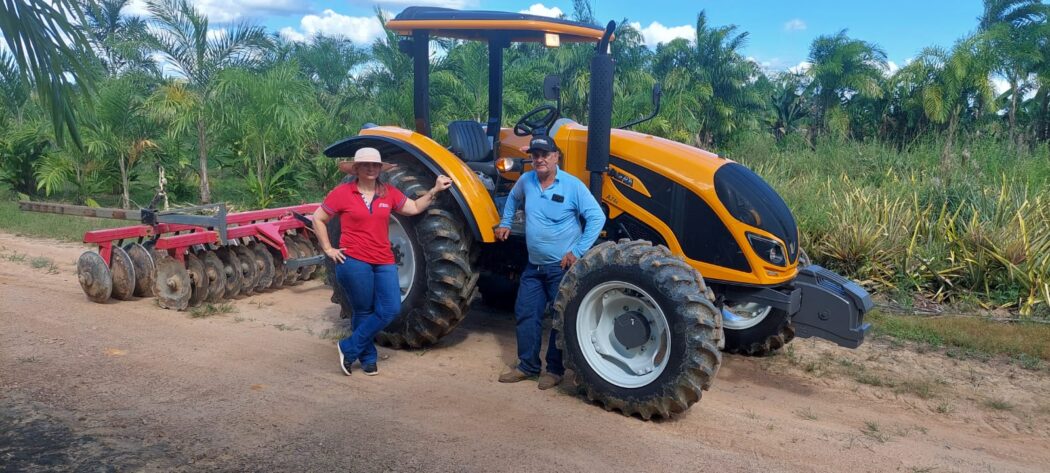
(698, 254)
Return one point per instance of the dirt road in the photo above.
(128, 385)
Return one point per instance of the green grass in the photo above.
(41, 225)
(209, 310)
(872, 430)
(904, 224)
(1024, 341)
(998, 404)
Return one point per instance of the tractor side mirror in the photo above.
(657, 92)
(405, 46)
(552, 87)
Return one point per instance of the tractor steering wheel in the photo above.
(533, 120)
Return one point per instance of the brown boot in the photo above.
(514, 375)
(548, 381)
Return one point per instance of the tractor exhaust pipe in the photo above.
(599, 123)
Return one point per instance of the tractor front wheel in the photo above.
(637, 329)
(754, 329)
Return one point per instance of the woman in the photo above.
(364, 261)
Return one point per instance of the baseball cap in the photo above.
(542, 143)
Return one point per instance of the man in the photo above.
(553, 201)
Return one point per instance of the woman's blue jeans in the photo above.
(375, 295)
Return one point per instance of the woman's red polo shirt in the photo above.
(365, 234)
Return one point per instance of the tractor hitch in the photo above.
(832, 307)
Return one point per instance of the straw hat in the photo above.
(364, 155)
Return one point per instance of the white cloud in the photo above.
(800, 67)
(223, 11)
(135, 8)
(214, 34)
(359, 29)
(892, 67)
(290, 34)
(1000, 85)
(657, 33)
(540, 9)
(795, 24)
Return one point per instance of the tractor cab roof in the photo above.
(485, 25)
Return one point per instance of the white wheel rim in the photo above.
(744, 316)
(405, 254)
(604, 353)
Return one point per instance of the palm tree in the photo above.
(959, 83)
(198, 55)
(787, 100)
(50, 53)
(13, 91)
(120, 41)
(118, 127)
(328, 62)
(271, 117)
(388, 80)
(1015, 29)
(460, 84)
(843, 67)
(719, 80)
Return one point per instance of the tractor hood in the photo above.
(717, 213)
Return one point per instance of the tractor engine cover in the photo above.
(833, 307)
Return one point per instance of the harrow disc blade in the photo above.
(263, 265)
(142, 259)
(94, 277)
(291, 277)
(249, 275)
(213, 269)
(198, 280)
(231, 270)
(122, 271)
(173, 286)
(278, 268)
(306, 250)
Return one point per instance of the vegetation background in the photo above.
(924, 183)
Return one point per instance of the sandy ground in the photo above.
(130, 386)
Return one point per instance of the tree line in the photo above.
(252, 110)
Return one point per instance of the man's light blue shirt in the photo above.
(552, 228)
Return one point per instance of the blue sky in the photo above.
(780, 31)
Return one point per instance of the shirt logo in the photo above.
(384, 205)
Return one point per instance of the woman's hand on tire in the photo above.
(336, 254)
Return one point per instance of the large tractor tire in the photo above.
(758, 330)
(637, 329)
(435, 254)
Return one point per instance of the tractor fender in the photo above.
(401, 145)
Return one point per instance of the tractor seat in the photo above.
(467, 140)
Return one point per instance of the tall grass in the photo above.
(976, 229)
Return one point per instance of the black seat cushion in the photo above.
(468, 141)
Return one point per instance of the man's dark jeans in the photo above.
(538, 289)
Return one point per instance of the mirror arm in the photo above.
(656, 111)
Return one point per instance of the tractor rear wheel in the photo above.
(637, 329)
(435, 255)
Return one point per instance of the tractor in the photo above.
(698, 254)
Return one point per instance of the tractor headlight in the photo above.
(768, 249)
